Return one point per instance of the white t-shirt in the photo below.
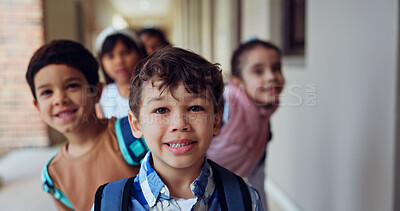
(185, 204)
(112, 103)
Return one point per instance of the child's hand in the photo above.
(99, 111)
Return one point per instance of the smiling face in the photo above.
(64, 98)
(177, 127)
(120, 63)
(261, 75)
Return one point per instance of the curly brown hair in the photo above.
(169, 66)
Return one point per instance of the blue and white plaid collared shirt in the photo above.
(150, 193)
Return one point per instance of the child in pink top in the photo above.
(251, 97)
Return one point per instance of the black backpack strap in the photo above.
(233, 193)
(114, 195)
(219, 187)
(245, 193)
(97, 197)
(133, 149)
(125, 196)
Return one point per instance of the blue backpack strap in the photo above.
(48, 186)
(133, 149)
(115, 195)
(233, 193)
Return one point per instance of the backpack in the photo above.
(133, 150)
(233, 193)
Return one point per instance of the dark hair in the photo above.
(155, 33)
(170, 66)
(109, 44)
(65, 52)
(236, 62)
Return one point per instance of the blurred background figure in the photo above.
(251, 97)
(119, 51)
(152, 39)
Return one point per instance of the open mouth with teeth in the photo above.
(180, 148)
(65, 115)
(176, 145)
(270, 89)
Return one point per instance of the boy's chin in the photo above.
(269, 102)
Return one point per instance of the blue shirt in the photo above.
(148, 191)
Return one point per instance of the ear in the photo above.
(217, 123)
(35, 103)
(135, 126)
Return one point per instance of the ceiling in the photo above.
(142, 8)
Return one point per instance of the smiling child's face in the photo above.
(261, 75)
(177, 127)
(64, 99)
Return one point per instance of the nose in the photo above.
(60, 98)
(180, 123)
(118, 59)
(269, 75)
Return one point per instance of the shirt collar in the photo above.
(151, 184)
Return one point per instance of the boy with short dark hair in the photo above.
(175, 102)
(64, 82)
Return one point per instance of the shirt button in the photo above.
(162, 190)
(166, 203)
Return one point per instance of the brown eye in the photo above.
(196, 108)
(126, 52)
(45, 92)
(109, 56)
(73, 85)
(161, 110)
(258, 71)
(276, 68)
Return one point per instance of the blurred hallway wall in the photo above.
(335, 133)
(21, 33)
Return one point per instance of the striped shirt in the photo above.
(148, 191)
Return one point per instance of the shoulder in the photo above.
(56, 160)
(237, 97)
(109, 136)
(109, 90)
(119, 190)
(255, 197)
(227, 180)
(111, 87)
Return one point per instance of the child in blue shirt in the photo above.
(175, 103)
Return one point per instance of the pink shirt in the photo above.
(243, 138)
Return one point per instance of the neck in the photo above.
(178, 180)
(123, 89)
(83, 140)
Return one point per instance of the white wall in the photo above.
(255, 19)
(225, 30)
(339, 154)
